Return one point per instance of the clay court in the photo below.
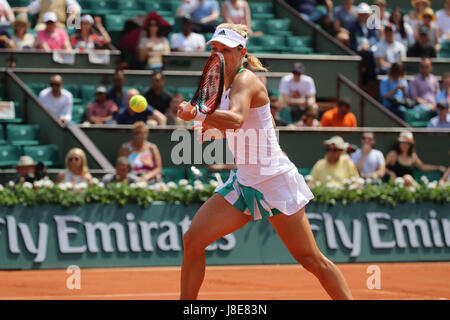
(418, 281)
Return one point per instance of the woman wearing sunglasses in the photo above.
(76, 168)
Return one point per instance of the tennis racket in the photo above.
(209, 92)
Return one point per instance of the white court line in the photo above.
(398, 293)
(159, 269)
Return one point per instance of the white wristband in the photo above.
(199, 116)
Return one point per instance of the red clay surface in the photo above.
(274, 282)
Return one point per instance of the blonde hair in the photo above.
(82, 155)
(253, 62)
(140, 125)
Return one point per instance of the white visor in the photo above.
(229, 38)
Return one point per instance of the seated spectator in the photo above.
(384, 15)
(52, 38)
(237, 12)
(369, 161)
(415, 16)
(5, 39)
(66, 11)
(86, 39)
(422, 47)
(334, 168)
(26, 170)
(144, 157)
(394, 91)
(22, 39)
(204, 14)
(445, 178)
(6, 14)
(122, 174)
(428, 19)
(157, 96)
(309, 11)
(362, 39)
(444, 94)
(171, 114)
(149, 115)
(344, 17)
(402, 161)
(297, 91)
(442, 120)
(76, 168)
(310, 118)
(118, 93)
(187, 41)
(388, 50)
(101, 110)
(424, 87)
(153, 46)
(339, 116)
(57, 100)
(443, 22)
(404, 33)
(275, 107)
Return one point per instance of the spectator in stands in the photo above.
(157, 96)
(65, 10)
(444, 94)
(238, 12)
(22, 39)
(153, 46)
(171, 114)
(335, 167)
(309, 11)
(362, 39)
(443, 22)
(150, 115)
(415, 16)
(52, 38)
(339, 116)
(6, 14)
(394, 90)
(77, 170)
(445, 178)
(26, 170)
(122, 174)
(57, 100)
(369, 161)
(424, 87)
(388, 50)
(402, 161)
(428, 19)
(101, 110)
(422, 47)
(310, 118)
(117, 93)
(86, 38)
(384, 15)
(187, 40)
(275, 107)
(442, 120)
(5, 39)
(144, 157)
(204, 14)
(297, 91)
(404, 33)
(344, 17)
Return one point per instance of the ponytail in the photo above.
(254, 63)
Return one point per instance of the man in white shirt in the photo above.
(443, 21)
(57, 100)
(297, 91)
(388, 50)
(187, 40)
(369, 161)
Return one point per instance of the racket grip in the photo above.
(199, 116)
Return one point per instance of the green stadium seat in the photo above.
(163, 8)
(22, 134)
(129, 5)
(78, 111)
(36, 88)
(445, 50)
(255, 44)
(262, 10)
(75, 91)
(9, 155)
(2, 136)
(275, 44)
(173, 174)
(259, 25)
(418, 118)
(304, 171)
(285, 115)
(47, 154)
(300, 44)
(87, 93)
(115, 22)
(278, 27)
(18, 114)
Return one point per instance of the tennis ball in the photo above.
(138, 103)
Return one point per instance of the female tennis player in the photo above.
(269, 187)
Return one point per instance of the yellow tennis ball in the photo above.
(138, 103)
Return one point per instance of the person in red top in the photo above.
(101, 110)
(86, 38)
(339, 116)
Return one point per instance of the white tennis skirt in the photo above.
(286, 193)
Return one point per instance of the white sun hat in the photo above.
(229, 38)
